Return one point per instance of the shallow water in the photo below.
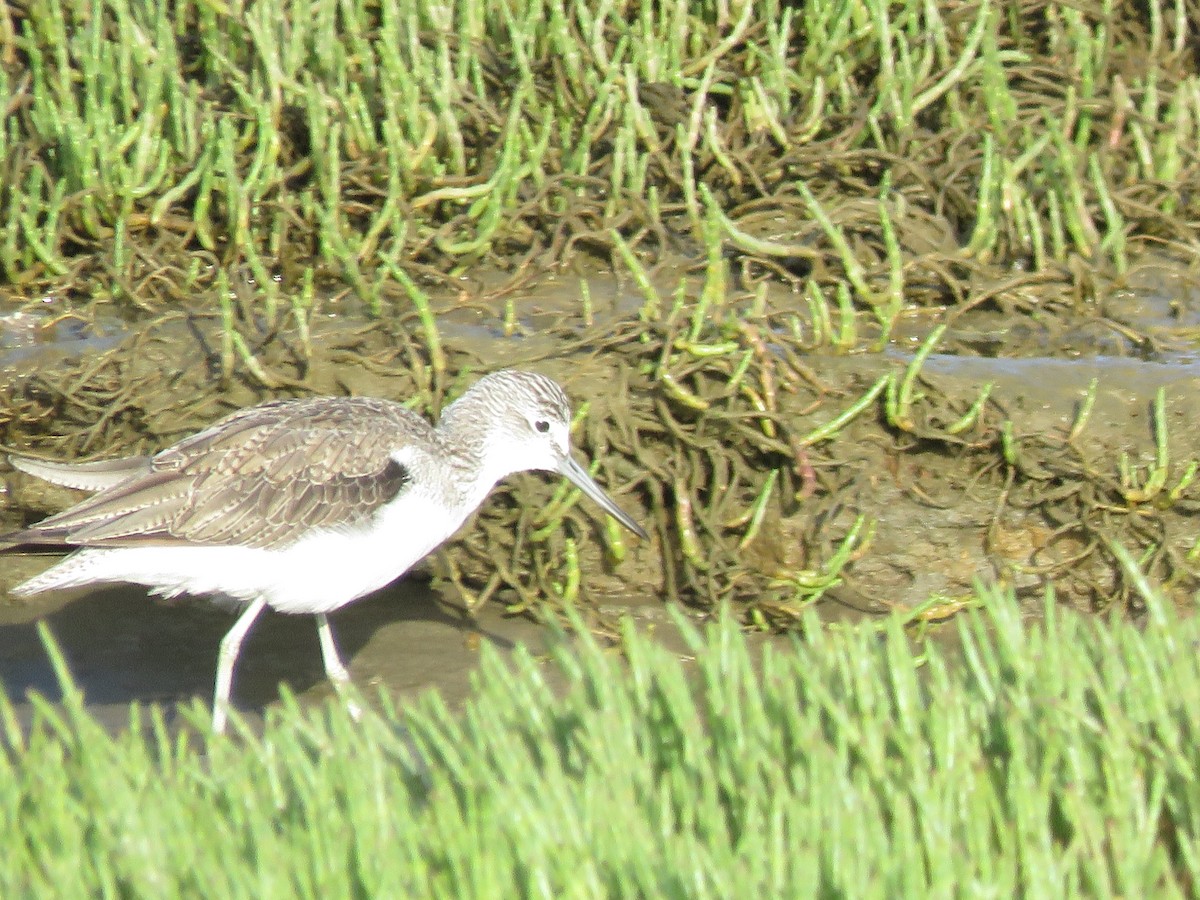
(122, 647)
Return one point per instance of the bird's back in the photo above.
(262, 477)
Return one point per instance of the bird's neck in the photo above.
(468, 449)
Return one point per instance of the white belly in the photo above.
(320, 573)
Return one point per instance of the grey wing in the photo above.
(260, 478)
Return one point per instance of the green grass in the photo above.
(1054, 757)
(354, 138)
(873, 156)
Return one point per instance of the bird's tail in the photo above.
(80, 568)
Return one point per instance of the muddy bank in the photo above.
(1023, 450)
(1016, 448)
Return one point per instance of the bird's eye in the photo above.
(541, 425)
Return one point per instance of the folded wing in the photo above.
(262, 477)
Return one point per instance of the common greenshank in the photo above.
(302, 505)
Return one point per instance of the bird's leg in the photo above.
(337, 673)
(231, 644)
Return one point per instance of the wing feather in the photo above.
(89, 476)
(262, 477)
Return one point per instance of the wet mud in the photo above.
(1052, 476)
